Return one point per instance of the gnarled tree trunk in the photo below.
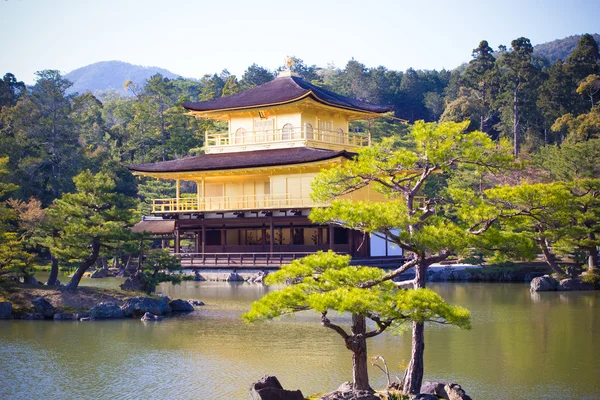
(85, 265)
(53, 271)
(357, 343)
(414, 374)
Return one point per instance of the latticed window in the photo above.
(263, 129)
(309, 130)
(238, 137)
(287, 132)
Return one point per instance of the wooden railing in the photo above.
(281, 135)
(244, 202)
(240, 203)
(239, 259)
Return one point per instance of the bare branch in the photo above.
(327, 324)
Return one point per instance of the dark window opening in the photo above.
(341, 236)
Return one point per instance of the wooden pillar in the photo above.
(177, 240)
(351, 242)
(319, 236)
(197, 242)
(223, 238)
(203, 238)
(330, 237)
(272, 233)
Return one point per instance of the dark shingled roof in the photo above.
(245, 159)
(283, 89)
(156, 227)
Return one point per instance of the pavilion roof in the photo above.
(247, 159)
(283, 90)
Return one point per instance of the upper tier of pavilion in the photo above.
(283, 113)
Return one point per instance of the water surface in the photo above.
(521, 347)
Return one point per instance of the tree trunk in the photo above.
(414, 374)
(85, 265)
(549, 257)
(357, 343)
(593, 259)
(53, 271)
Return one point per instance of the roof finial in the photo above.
(289, 63)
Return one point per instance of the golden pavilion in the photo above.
(253, 183)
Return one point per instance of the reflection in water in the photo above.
(520, 346)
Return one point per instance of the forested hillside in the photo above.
(110, 75)
(559, 49)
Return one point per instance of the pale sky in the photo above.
(194, 37)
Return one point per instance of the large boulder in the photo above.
(544, 283)
(269, 388)
(137, 306)
(64, 317)
(42, 306)
(148, 317)
(347, 392)
(234, 277)
(133, 283)
(435, 388)
(195, 303)
(5, 310)
(108, 310)
(574, 284)
(181, 306)
(455, 392)
(99, 273)
(442, 390)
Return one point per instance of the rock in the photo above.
(196, 303)
(64, 317)
(181, 306)
(32, 316)
(99, 273)
(5, 310)
(544, 283)
(346, 392)
(455, 392)
(107, 310)
(136, 306)
(435, 388)
(151, 317)
(528, 277)
(269, 388)
(425, 396)
(234, 277)
(42, 306)
(575, 284)
(163, 297)
(198, 277)
(134, 282)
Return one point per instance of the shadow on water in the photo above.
(520, 345)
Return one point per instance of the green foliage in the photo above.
(94, 219)
(326, 282)
(592, 277)
(157, 267)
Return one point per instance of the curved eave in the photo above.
(241, 170)
(310, 94)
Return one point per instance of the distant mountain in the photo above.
(559, 48)
(111, 75)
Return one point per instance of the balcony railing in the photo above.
(282, 135)
(231, 203)
(240, 203)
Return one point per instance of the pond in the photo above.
(521, 346)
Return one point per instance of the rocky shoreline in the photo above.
(144, 307)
